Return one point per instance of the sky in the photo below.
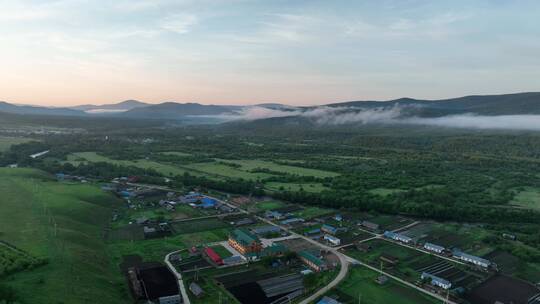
(60, 53)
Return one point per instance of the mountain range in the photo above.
(491, 105)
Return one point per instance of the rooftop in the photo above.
(311, 257)
(244, 237)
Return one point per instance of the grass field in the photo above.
(176, 153)
(250, 164)
(311, 212)
(6, 142)
(313, 188)
(198, 225)
(64, 224)
(269, 205)
(165, 169)
(385, 191)
(529, 197)
(217, 168)
(360, 284)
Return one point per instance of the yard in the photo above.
(360, 286)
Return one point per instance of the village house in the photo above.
(471, 259)
(436, 281)
(332, 239)
(434, 248)
(370, 225)
(244, 242)
(397, 237)
(196, 290)
(212, 255)
(313, 261)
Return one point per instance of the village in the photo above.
(257, 250)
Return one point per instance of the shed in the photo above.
(196, 290)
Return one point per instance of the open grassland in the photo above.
(312, 187)
(165, 169)
(7, 142)
(529, 198)
(62, 223)
(360, 285)
(252, 164)
(222, 169)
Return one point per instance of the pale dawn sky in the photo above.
(245, 52)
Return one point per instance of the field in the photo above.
(198, 225)
(385, 191)
(176, 153)
(249, 164)
(165, 169)
(313, 187)
(312, 212)
(64, 224)
(6, 142)
(224, 170)
(269, 205)
(360, 285)
(529, 197)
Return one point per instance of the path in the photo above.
(178, 276)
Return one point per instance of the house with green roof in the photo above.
(245, 242)
(312, 260)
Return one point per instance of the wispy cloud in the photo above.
(179, 23)
(354, 116)
(437, 26)
(472, 121)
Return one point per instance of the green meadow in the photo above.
(64, 224)
(7, 142)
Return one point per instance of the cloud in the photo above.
(347, 115)
(472, 121)
(179, 23)
(255, 113)
(394, 115)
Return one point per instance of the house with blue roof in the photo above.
(436, 281)
(329, 229)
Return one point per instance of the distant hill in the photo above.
(35, 110)
(507, 104)
(172, 110)
(116, 107)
